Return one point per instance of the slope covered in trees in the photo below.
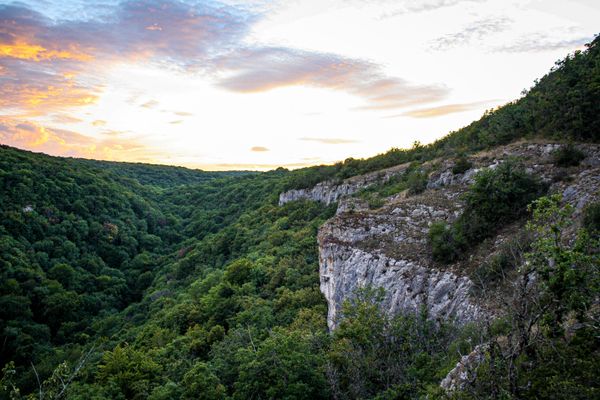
(127, 281)
(159, 175)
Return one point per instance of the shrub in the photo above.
(461, 165)
(446, 244)
(375, 201)
(591, 218)
(498, 196)
(416, 182)
(510, 256)
(568, 156)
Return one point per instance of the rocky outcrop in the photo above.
(329, 191)
(465, 370)
(408, 285)
(324, 192)
(387, 247)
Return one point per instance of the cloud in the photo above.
(149, 104)
(328, 140)
(35, 137)
(417, 6)
(65, 119)
(135, 28)
(259, 148)
(538, 42)
(37, 89)
(183, 113)
(33, 52)
(47, 64)
(176, 122)
(99, 122)
(439, 111)
(266, 68)
(475, 31)
(43, 61)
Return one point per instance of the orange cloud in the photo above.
(47, 63)
(150, 104)
(35, 52)
(258, 148)
(99, 122)
(35, 137)
(439, 111)
(65, 119)
(328, 140)
(40, 98)
(265, 68)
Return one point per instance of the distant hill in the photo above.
(160, 175)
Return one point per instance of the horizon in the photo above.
(255, 85)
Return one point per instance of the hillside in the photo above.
(127, 281)
(159, 175)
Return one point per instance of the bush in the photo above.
(446, 244)
(568, 156)
(461, 165)
(416, 182)
(591, 218)
(510, 256)
(498, 196)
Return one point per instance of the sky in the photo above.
(259, 84)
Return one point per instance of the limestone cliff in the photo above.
(387, 247)
(329, 191)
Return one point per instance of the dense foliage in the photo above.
(159, 175)
(546, 343)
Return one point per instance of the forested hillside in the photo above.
(126, 281)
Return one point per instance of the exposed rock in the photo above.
(583, 190)
(388, 249)
(329, 191)
(351, 205)
(464, 371)
(446, 178)
(408, 285)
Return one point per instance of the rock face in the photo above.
(387, 247)
(465, 370)
(408, 285)
(329, 192)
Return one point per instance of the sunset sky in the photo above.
(260, 84)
